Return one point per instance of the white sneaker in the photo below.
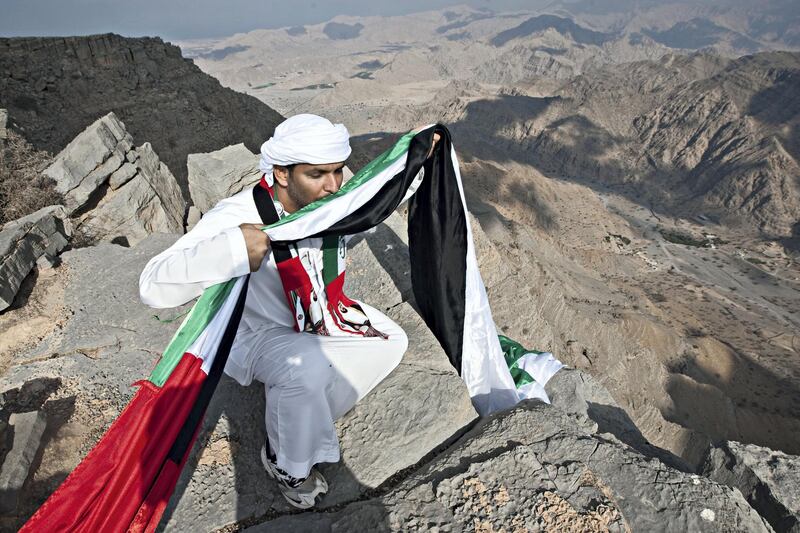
(300, 493)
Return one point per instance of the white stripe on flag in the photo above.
(483, 367)
(335, 210)
(205, 346)
(541, 367)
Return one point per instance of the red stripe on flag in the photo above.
(152, 508)
(128, 468)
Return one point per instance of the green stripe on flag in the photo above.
(330, 258)
(513, 353)
(200, 316)
(372, 169)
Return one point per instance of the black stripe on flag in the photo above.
(437, 236)
(437, 244)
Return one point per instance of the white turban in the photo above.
(304, 139)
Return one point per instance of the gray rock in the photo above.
(530, 469)
(46, 261)
(220, 174)
(123, 174)
(593, 409)
(770, 480)
(149, 202)
(23, 241)
(28, 430)
(3, 124)
(88, 161)
(193, 217)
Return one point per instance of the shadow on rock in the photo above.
(224, 482)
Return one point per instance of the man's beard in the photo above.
(297, 195)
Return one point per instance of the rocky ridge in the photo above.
(685, 134)
(55, 87)
(408, 58)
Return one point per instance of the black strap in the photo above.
(269, 215)
(188, 430)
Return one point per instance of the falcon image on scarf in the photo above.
(126, 480)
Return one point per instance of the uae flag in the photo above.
(125, 482)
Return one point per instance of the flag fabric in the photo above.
(126, 480)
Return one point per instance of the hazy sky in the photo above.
(188, 19)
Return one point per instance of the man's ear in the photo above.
(281, 175)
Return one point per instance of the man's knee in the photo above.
(312, 373)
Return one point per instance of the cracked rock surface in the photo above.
(769, 479)
(531, 469)
(24, 241)
(116, 191)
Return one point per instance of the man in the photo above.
(315, 361)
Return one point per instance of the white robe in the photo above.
(309, 380)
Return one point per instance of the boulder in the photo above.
(770, 480)
(86, 163)
(117, 193)
(531, 469)
(24, 241)
(148, 202)
(220, 174)
(28, 430)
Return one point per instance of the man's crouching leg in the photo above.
(310, 381)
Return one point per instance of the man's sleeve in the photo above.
(214, 251)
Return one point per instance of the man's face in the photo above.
(306, 183)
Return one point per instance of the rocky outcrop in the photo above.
(3, 124)
(88, 161)
(24, 241)
(55, 87)
(220, 174)
(114, 190)
(530, 469)
(770, 480)
(27, 431)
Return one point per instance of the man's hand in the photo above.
(257, 244)
(436, 138)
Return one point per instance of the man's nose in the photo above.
(331, 183)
